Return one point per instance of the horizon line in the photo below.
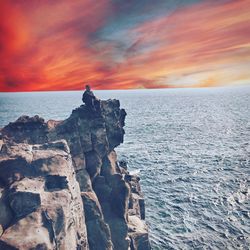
(130, 89)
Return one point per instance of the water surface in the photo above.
(192, 149)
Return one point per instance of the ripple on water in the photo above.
(192, 149)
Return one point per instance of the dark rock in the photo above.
(6, 214)
(119, 233)
(102, 189)
(123, 164)
(39, 247)
(23, 203)
(109, 166)
(5, 246)
(142, 208)
(12, 170)
(84, 180)
(114, 122)
(122, 117)
(91, 206)
(99, 236)
(119, 196)
(140, 242)
(93, 164)
(55, 182)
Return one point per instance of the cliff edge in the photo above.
(61, 186)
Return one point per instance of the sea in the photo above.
(191, 149)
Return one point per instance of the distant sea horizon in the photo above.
(131, 89)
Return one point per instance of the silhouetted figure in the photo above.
(90, 99)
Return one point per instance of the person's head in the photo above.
(87, 87)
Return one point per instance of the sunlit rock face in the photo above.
(40, 197)
(63, 188)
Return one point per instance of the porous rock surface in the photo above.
(61, 186)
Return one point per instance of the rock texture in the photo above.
(61, 186)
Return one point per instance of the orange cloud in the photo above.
(45, 46)
(55, 45)
(203, 37)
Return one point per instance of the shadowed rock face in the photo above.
(61, 184)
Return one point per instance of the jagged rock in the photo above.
(102, 189)
(83, 179)
(115, 120)
(119, 196)
(137, 205)
(99, 236)
(119, 233)
(109, 165)
(93, 164)
(35, 127)
(123, 164)
(45, 203)
(138, 233)
(61, 184)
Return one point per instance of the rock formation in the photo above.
(61, 186)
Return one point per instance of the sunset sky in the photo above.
(123, 44)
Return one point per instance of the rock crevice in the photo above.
(62, 187)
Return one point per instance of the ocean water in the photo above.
(191, 149)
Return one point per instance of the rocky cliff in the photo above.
(61, 186)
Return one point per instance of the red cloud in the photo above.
(49, 45)
(45, 44)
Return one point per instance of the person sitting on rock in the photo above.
(90, 99)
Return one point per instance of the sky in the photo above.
(123, 44)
